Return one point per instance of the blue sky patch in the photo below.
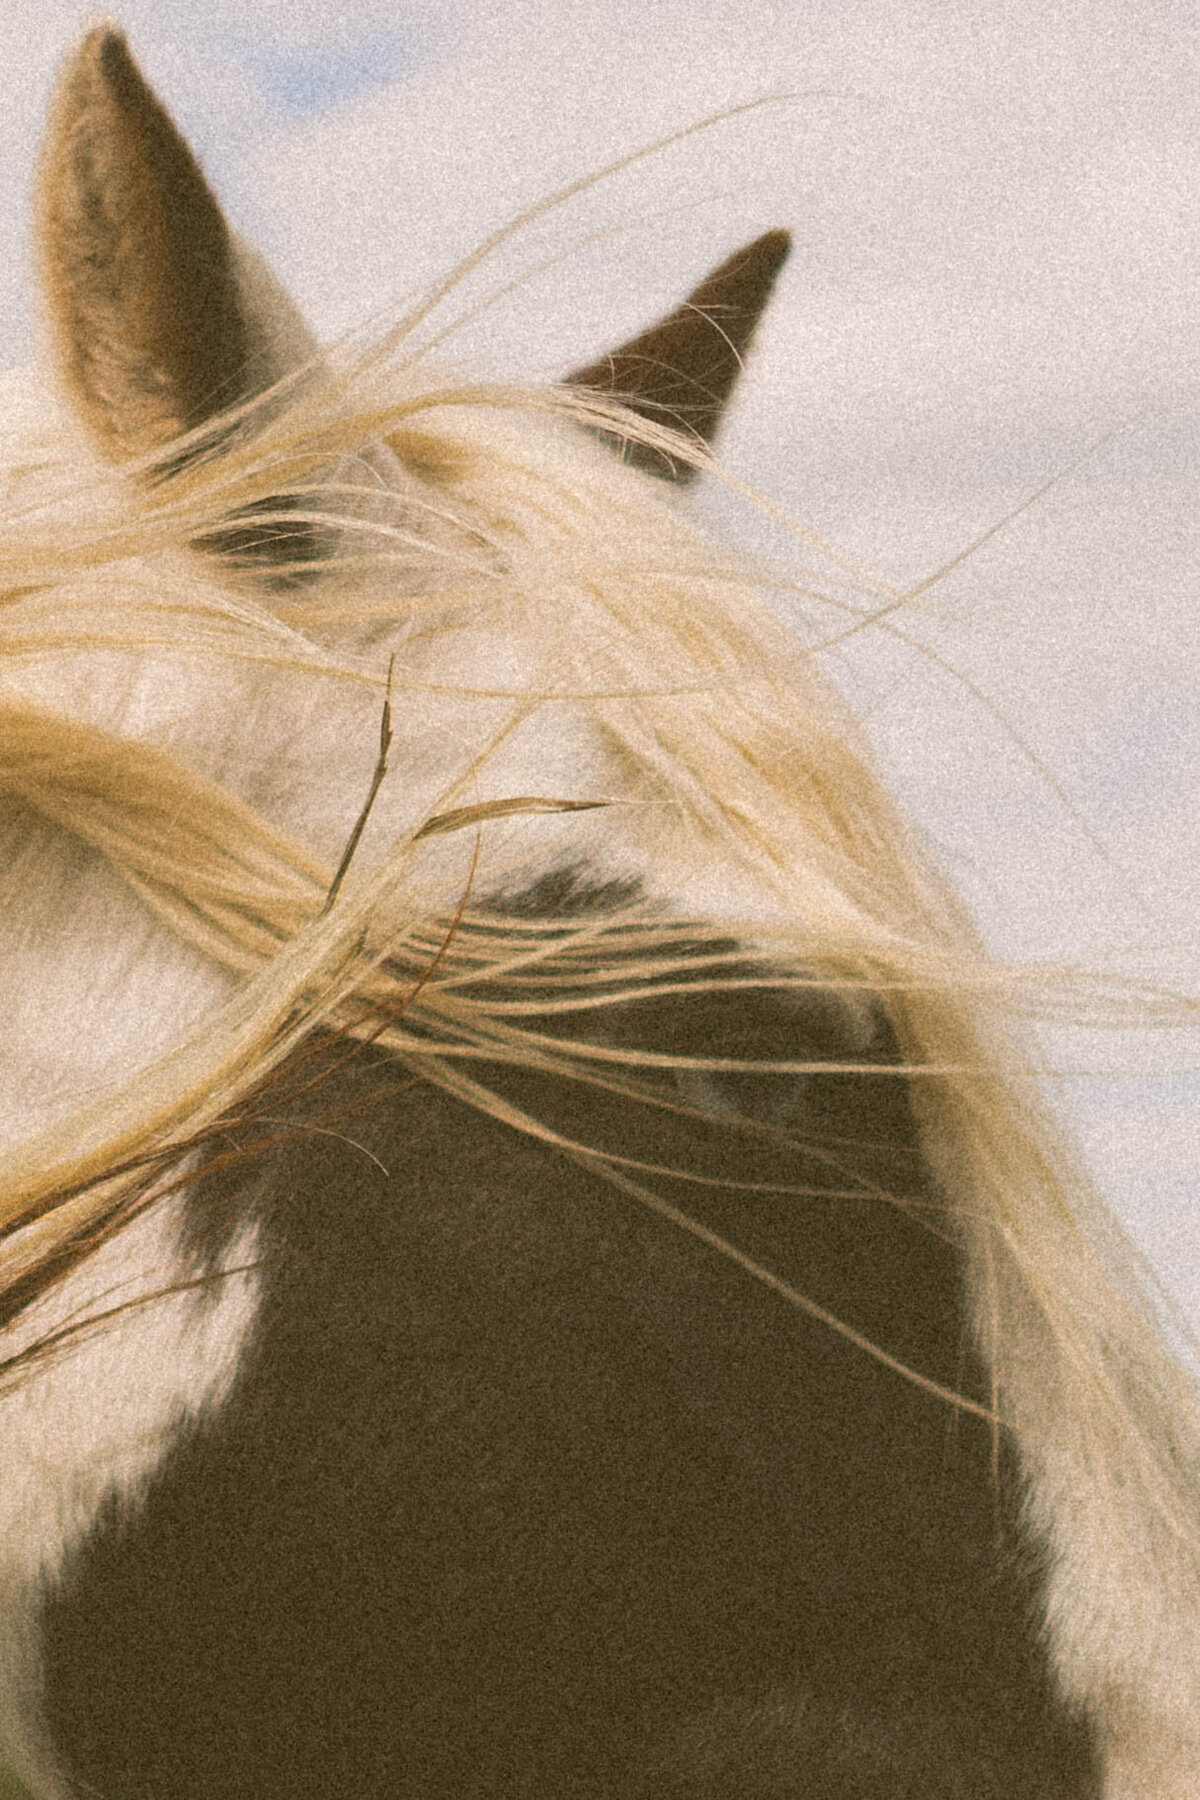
(316, 80)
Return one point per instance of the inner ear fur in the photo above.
(682, 371)
(147, 316)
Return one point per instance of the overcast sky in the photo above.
(997, 222)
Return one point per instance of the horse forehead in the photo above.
(155, 1323)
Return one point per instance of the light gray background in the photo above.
(997, 221)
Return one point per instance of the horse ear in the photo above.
(151, 302)
(681, 372)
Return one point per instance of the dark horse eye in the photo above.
(266, 541)
(532, 1266)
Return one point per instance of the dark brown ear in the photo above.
(681, 372)
(149, 320)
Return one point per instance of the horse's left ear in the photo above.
(159, 318)
(681, 372)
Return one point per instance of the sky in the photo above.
(996, 211)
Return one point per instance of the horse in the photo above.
(533, 1263)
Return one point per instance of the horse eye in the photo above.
(281, 553)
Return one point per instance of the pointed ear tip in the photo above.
(775, 246)
(753, 267)
(104, 49)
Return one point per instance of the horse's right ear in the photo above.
(154, 321)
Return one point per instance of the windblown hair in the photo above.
(221, 669)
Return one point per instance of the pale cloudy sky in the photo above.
(997, 220)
